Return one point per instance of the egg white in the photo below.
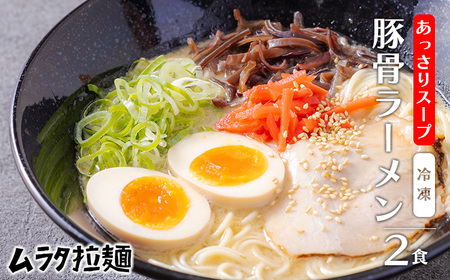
(255, 193)
(103, 198)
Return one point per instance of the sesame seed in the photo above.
(374, 238)
(300, 231)
(337, 219)
(288, 209)
(292, 203)
(305, 106)
(346, 161)
(275, 181)
(305, 129)
(295, 187)
(333, 196)
(305, 165)
(373, 259)
(345, 205)
(278, 191)
(272, 203)
(314, 212)
(288, 146)
(291, 191)
(326, 196)
(270, 154)
(284, 160)
(363, 190)
(308, 210)
(360, 66)
(358, 151)
(322, 227)
(330, 259)
(295, 84)
(332, 180)
(370, 188)
(325, 205)
(351, 197)
(336, 60)
(366, 157)
(302, 86)
(285, 134)
(298, 108)
(328, 218)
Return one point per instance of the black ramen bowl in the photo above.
(98, 41)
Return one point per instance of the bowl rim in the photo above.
(82, 236)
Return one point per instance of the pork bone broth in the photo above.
(318, 218)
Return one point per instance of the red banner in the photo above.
(424, 83)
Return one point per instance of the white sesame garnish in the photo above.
(275, 181)
(328, 218)
(288, 209)
(278, 191)
(366, 157)
(374, 238)
(305, 165)
(270, 154)
(305, 106)
(337, 219)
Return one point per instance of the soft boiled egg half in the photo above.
(231, 170)
(147, 208)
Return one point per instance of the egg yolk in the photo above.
(155, 202)
(229, 165)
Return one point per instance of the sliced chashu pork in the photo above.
(306, 228)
